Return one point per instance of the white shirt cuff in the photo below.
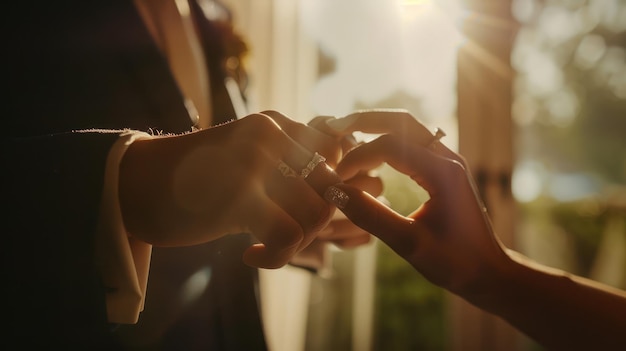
(124, 261)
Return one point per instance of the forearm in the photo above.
(559, 310)
(150, 210)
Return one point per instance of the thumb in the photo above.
(260, 256)
(373, 216)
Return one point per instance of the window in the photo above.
(570, 115)
(531, 92)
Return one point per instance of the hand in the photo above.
(341, 231)
(449, 238)
(192, 188)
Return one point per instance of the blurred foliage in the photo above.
(578, 125)
(570, 58)
(583, 42)
(585, 221)
(579, 236)
(410, 311)
(571, 118)
(584, 228)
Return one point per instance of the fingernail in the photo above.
(340, 124)
(336, 196)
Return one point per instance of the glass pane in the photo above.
(383, 54)
(570, 111)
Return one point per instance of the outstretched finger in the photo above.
(367, 182)
(430, 170)
(381, 121)
(400, 123)
(374, 217)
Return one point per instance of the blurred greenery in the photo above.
(583, 222)
(410, 312)
(583, 136)
(571, 95)
(584, 133)
(584, 227)
(570, 109)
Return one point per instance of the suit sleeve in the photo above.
(52, 191)
(123, 261)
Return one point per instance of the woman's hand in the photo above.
(341, 231)
(449, 238)
(192, 188)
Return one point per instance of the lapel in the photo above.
(80, 64)
(149, 72)
(215, 37)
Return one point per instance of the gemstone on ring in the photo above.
(336, 196)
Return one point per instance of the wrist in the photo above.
(151, 206)
(495, 284)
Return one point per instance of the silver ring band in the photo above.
(316, 160)
(288, 172)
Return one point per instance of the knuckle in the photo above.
(263, 128)
(271, 113)
(457, 172)
(260, 124)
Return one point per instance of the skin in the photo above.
(188, 189)
(450, 241)
(180, 190)
(339, 230)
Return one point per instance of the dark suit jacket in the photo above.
(78, 65)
